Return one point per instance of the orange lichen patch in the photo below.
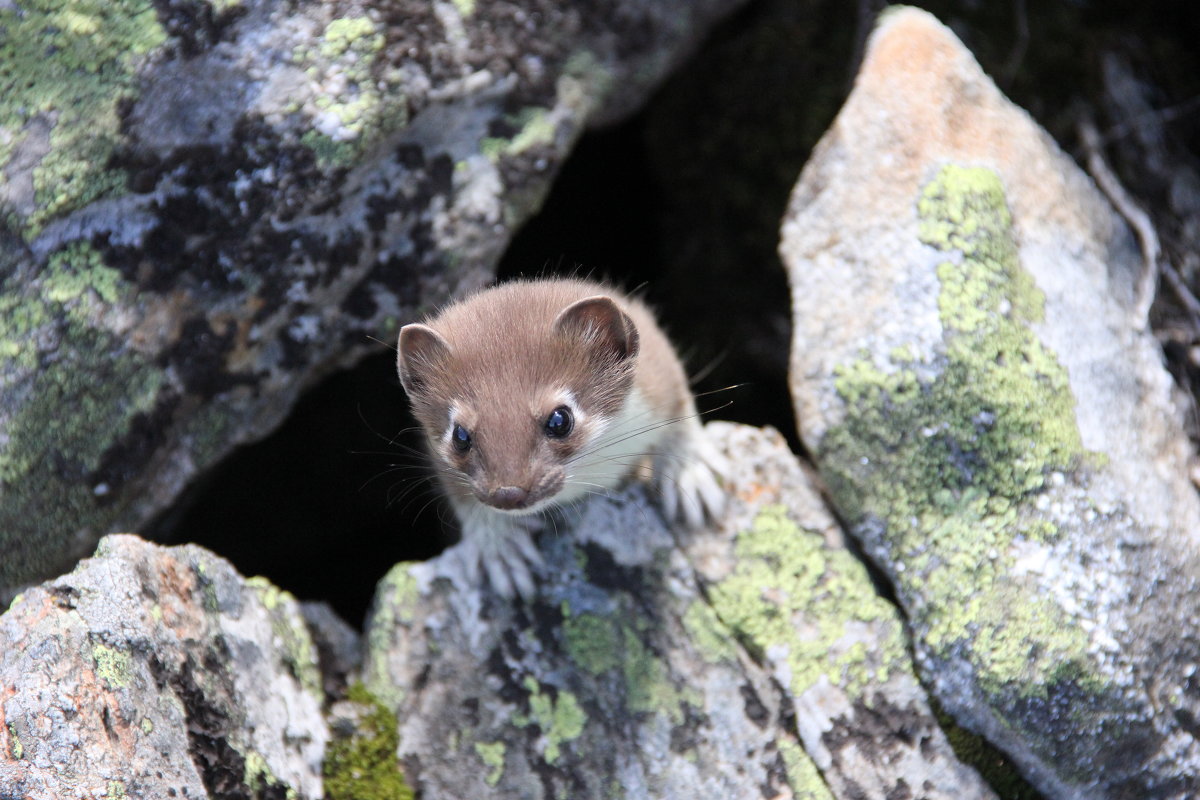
(921, 91)
(176, 589)
(754, 494)
(97, 700)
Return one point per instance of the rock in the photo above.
(753, 660)
(339, 647)
(156, 672)
(209, 206)
(994, 426)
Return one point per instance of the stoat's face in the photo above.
(512, 398)
(516, 456)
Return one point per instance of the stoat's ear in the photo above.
(601, 321)
(419, 350)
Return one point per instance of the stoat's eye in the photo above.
(559, 423)
(460, 439)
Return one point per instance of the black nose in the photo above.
(508, 497)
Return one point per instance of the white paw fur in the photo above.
(689, 477)
(497, 546)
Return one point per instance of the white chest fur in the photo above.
(619, 448)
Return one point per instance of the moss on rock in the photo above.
(826, 588)
(297, 648)
(71, 65)
(113, 666)
(81, 393)
(363, 766)
(593, 642)
(559, 716)
(937, 463)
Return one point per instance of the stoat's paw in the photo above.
(499, 549)
(689, 479)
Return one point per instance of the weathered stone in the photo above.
(205, 207)
(994, 424)
(156, 672)
(339, 647)
(751, 660)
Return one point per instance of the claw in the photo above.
(690, 481)
(501, 548)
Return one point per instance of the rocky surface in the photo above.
(752, 659)
(207, 206)
(994, 421)
(156, 672)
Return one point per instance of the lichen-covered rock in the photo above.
(752, 660)
(156, 672)
(206, 206)
(994, 424)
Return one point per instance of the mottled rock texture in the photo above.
(995, 425)
(206, 206)
(155, 672)
(754, 659)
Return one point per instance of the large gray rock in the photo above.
(995, 424)
(151, 672)
(205, 207)
(754, 659)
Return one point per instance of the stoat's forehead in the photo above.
(527, 366)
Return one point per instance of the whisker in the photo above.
(388, 345)
(603, 442)
(436, 497)
(392, 470)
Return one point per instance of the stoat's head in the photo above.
(512, 386)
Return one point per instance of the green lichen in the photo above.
(648, 685)
(80, 391)
(950, 463)
(18, 749)
(115, 791)
(785, 575)
(363, 766)
(396, 599)
(15, 601)
(74, 284)
(258, 777)
(465, 7)
(147, 726)
(298, 650)
(330, 153)
(560, 718)
(350, 34)
(593, 642)
(71, 65)
(77, 272)
(803, 777)
(599, 644)
(357, 105)
(492, 755)
(705, 630)
(534, 127)
(113, 666)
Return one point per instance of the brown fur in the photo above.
(498, 358)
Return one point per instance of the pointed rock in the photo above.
(992, 423)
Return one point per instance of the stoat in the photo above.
(534, 394)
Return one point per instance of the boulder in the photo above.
(206, 207)
(994, 422)
(752, 659)
(158, 672)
